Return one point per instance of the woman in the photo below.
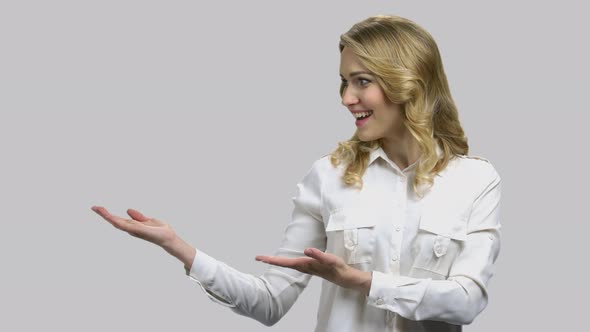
(400, 223)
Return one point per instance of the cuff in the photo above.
(382, 292)
(388, 291)
(203, 272)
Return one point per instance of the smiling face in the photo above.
(361, 92)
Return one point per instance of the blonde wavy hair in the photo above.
(407, 65)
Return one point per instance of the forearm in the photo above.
(181, 250)
(455, 301)
(265, 298)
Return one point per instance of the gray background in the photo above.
(206, 115)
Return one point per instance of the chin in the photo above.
(364, 138)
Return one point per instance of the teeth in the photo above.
(360, 115)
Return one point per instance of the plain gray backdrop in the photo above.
(206, 115)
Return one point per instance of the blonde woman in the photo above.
(401, 224)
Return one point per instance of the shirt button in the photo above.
(394, 258)
(397, 228)
(438, 250)
(380, 301)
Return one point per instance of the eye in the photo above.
(361, 82)
(363, 79)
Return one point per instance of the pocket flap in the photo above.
(441, 244)
(350, 218)
(453, 226)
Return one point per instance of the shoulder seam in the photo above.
(477, 158)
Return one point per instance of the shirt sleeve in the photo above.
(463, 295)
(268, 297)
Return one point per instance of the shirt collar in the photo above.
(378, 152)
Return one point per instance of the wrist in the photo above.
(359, 280)
(178, 248)
(363, 283)
(366, 287)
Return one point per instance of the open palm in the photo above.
(149, 229)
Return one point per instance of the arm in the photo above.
(268, 297)
(181, 250)
(460, 298)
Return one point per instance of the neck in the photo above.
(402, 149)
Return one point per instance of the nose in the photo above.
(349, 97)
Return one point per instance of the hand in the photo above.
(324, 265)
(149, 229)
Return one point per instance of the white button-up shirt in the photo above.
(431, 258)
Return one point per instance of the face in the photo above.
(361, 92)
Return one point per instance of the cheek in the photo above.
(391, 113)
(388, 119)
(387, 116)
(374, 98)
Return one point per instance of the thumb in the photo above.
(315, 253)
(137, 215)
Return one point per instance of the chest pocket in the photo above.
(439, 241)
(351, 235)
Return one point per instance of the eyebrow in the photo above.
(354, 73)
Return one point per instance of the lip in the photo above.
(360, 123)
(361, 111)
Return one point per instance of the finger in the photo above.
(120, 223)
(137, 215)
(284, 261)
(317, 254)
(275, 260)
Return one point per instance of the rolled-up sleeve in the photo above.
(463, 295)
(268, 297)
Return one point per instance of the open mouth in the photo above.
(363, 115)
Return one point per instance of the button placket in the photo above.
(396, 242)
(403, 193)
(396, 230)
(394, 264)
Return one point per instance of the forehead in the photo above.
(350, 63)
